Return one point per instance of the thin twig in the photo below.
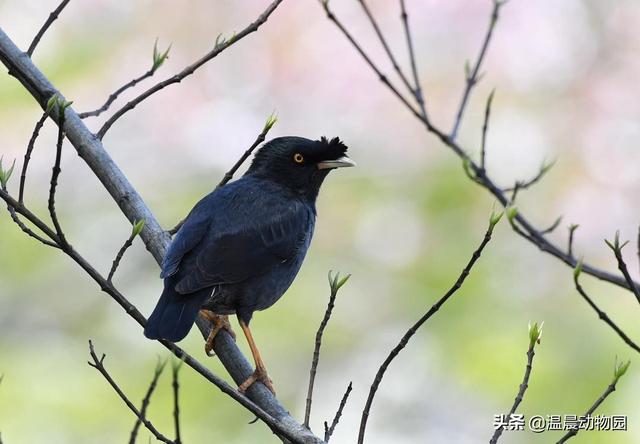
(147, 400)
(115, 95)
(335, 283)
(52, 18)
(27, 154)
(328, 430)
(525, 382)
(137, 227)
(54, 178)
(98, 364)
(572, 228)
(412, 331)
(622, 266)
(412, 57)
(27, 230)
(472, 77)
(229, 174)
(381, 76)
(485, 129)
(386, 47)
(638, 246)
(523, 185)
(601, 314)
(552, 227)
(619, 371)
(531, 232)
(176, 405)
(177, 78)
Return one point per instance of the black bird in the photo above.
(242, 245)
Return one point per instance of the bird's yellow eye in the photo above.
(298, 158)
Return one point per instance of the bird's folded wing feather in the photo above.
(190, 234)
(248, 247)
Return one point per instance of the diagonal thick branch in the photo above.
(156, 240)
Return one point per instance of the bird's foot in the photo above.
(220, 322)
(260, 374)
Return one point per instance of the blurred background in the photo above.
(404, 222)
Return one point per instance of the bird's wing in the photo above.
(190, 234)
(250, 246)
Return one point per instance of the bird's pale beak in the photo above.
(341, 162)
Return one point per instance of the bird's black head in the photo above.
(299, 164)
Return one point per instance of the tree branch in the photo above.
(386, 47)
(616, 247)
(158, 60)
(472, 77)
(98, 364)
(147, 399)
(27, 154)
(417, 92)
(335, 282)
(271, 120)
(532, 233)
(412, 331)
(52, 18)
(175, 367)
(535, 332)
(328, 430)
(55, 172)
(601, 314)
(137, 227)
(618, 371)
(177, 78)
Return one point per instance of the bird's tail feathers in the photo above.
(174, 314)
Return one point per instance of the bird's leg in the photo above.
(220, 322)
(260, 374)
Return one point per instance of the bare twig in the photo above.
(175, 367)
(386, 47)
(158, 59)
(622, 266)
(328, 430)
(217, 49)
(271, 120)
(485, 129)
(601, 314)
(535, 331)
(137, 228)
(472, 77)
(619, 370)
(98, 364)
(529, 231)
(552, 227)
(414, 328)
(52, 18)
(417, 92)
(335, 282)
(27, 154)
(572, 229)
(27, 230)
(523, 185)
(147, 400)
(55, 173)
(381, 76)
